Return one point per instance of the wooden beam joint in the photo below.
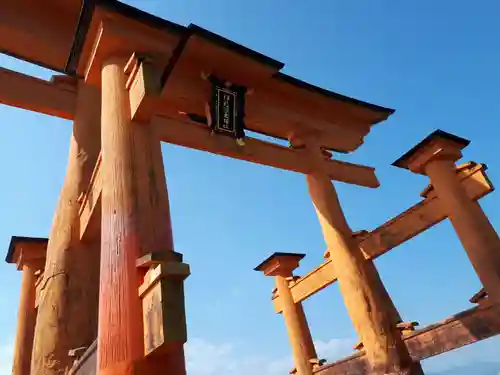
(394, 232)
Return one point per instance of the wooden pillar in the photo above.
(29, 255)
(435, 157)
(281, 266)
(26, 320)
(307, 338)
(67, 313)
(365, 296)
(135, 222)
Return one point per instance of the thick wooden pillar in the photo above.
(281, 266)
(435, 157)
(135, 223)
(67, 313)
(29, 255)
(366, 299)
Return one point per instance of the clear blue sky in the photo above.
(435, 62)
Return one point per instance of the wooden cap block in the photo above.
(280, 264)
(439, 144)
(26, 249)
(157, 258)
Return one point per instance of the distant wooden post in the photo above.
(136, 236)
(67, 312)
(29, 256)
(364, 294)
(435, 157)
(281, 266)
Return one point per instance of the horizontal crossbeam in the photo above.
(22, 91)
(465, 328)
(403, 227)
(189, 134)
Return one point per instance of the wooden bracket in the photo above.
(292, 279)
(144, 86)
(317, 363)
(359, 346)
(480, 298)
(406, 327)
(162, 295)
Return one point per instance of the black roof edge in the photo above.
(16, 239)
(82, 28)
(34, 62)
(86, 13)
(141, 16)
(307, 86)
(176, 54)
(88, 8)
(438, 133)
(299, 256)
(230, 45)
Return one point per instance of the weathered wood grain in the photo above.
(67, 309)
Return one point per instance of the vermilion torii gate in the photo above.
(131, 80)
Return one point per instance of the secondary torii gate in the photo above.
(132, 80)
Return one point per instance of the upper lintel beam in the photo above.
(22, 91)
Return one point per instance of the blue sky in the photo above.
(436, 63)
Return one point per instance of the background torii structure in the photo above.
(110, 270)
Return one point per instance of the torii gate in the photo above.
(132, 80)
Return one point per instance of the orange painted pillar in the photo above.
(26, 320)
(307, 338)
(366, 299)
(281, 265)
(435, 157)
(72, 266)
(29, 255)
(135, 222)
(479, 238)
(120, 332)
